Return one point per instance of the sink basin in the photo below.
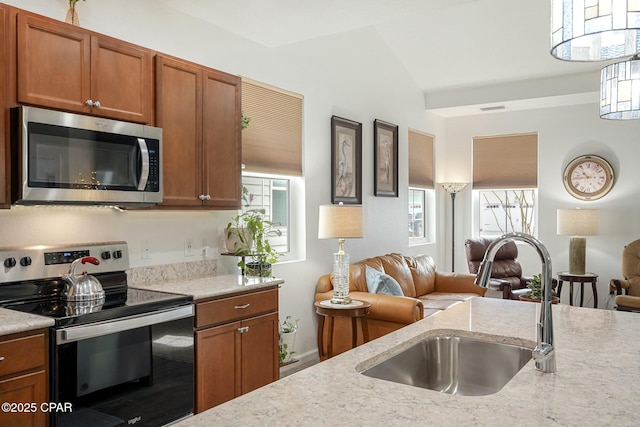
(455, 365)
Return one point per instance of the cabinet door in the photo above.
(221, 139)
(29, 388)
(260, 364)
(5, 172)
(217, 365)
(53, 64)
(121, 77)
(179, 114)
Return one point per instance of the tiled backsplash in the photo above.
(171, 272)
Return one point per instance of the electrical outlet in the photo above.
(145, 249)
(188, 247)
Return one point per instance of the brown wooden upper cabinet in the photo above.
(198, 109)
(65, 67)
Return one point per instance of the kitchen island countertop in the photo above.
(211, 287)
(597, 380)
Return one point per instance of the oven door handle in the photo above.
(77, 333)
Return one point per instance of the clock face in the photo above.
(588, 177)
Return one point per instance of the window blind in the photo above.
(420, 159)
(505, 161)
(273, 141)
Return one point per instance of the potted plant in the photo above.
(252, 232)
(286, 343)
(535, 284)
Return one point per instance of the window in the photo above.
(421, 196)
(506, 211)
(272, 195)
(272, 162)
(416, 212)
(505, 194)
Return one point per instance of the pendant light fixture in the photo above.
(594, 30)
(620, 90)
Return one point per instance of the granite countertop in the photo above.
(210, 287)
(597, 380)
(12, 321)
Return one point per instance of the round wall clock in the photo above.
(588, 177)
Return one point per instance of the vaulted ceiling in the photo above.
(464, 54)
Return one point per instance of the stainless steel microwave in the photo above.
(66, 158)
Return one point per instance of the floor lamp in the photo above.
(453, 188)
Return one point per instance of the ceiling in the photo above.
(464, 54)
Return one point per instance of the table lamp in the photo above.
(578, 223)
(341, 222)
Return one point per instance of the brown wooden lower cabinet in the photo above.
(23, 379)
(240, 355)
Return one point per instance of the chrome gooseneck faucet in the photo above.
(544, 353)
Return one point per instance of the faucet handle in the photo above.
(544, 356)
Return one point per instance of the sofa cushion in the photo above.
(423, 271)
(381, 283)
(396, 266)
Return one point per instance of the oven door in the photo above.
(133, 371)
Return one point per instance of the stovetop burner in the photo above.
(32, 287)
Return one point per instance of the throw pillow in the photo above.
(380, 283)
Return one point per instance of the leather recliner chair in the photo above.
(630, 299)
(506, 274)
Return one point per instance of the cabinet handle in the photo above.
(208, 197)
(204, 197)
(240, 307)
(96, 104)
(243, 329)
(1, 358)
(88, 102)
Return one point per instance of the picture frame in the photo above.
(346, 161)
(385, 159)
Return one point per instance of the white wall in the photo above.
(563, 134)
(349, 76)
(345, 75)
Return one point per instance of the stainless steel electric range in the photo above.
(124, 359)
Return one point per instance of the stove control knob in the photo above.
(25, 261)
(10, 262)
(105, 255)
(117, 254)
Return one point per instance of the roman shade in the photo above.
(420, 159)
(505, 161)
(272, 143)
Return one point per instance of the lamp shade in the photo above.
(594, 30)
(620, 90)
(578, 222)
(453, 187)
(340, 221)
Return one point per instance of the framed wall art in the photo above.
(346, 161)
(385, 159)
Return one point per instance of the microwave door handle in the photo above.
(144, 171)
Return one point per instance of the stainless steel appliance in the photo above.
(127, 361)
(66, 158)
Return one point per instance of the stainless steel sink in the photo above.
(454, 365)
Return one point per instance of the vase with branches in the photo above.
(72, 14)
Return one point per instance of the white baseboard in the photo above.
(304, 359)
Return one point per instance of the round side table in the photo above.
(354, 310)
(582, 279)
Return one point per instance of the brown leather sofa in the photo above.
(426, 292)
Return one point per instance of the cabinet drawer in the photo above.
(236, 307)
(20, 354)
